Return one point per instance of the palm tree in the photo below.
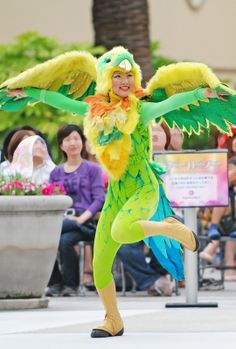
(126, 23)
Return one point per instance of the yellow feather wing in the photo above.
(76, 69)
(182, 77)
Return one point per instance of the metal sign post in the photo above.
(190, 260)
(194, 179)
(191, 269)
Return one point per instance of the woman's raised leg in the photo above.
(132, 223)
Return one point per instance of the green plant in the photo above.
(31, 48)
(27, 50)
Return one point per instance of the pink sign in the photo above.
(195, 179)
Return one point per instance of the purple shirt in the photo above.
(84, 185)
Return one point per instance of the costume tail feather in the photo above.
(167, 251)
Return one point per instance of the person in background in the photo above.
(8, 152)
(9, 135)
(176, 139)
(88, 274)
(218, 213)
(161, 137)
(149, 276)
(29, 158)
(91, 157)
(83, 182)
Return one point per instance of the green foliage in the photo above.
(29, 49)
(24, 52)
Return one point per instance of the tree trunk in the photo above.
(126, 23)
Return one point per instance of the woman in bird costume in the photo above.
(117, 113)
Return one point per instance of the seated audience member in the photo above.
(218, 214)
(132, 255)
(91, 157)
(176, 139)
(19, 133)
(145, 277)
(8, 149)
(28, 157)
(160, 137)
(83, 182)
(88, 274)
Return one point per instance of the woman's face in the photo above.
(122, 83)
(158, 138)
(72, 145)
(40, 150)
(176, 139)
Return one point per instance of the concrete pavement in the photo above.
(68, 321)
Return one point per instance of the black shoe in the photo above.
(97, 333)
(53, 291)
(69, 291)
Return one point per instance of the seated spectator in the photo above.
(91, 157)
(219, 213)
(132, 255)
(146, 277)
(176, 139)
(88, 275)
(13, 141)
(19, 133)
(28, 157)
(160, 137)
(83, 182)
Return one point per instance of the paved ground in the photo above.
(68, 321)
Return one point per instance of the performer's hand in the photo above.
(18, 94)
(211, 93)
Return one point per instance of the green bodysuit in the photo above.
(133, 197)
(186, 95)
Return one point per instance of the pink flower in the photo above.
(21, 186)
(46, 191)
(18, 184)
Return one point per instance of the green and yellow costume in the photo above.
(136, 206)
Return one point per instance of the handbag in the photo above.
(88, 228)
(227, 225)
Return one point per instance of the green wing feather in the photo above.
(193, 117)
(185, 77)
(72, 74)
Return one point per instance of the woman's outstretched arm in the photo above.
(57, 100)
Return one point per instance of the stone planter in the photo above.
(30, 229)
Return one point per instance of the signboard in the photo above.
(195, 178)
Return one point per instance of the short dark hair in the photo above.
(65, 131)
